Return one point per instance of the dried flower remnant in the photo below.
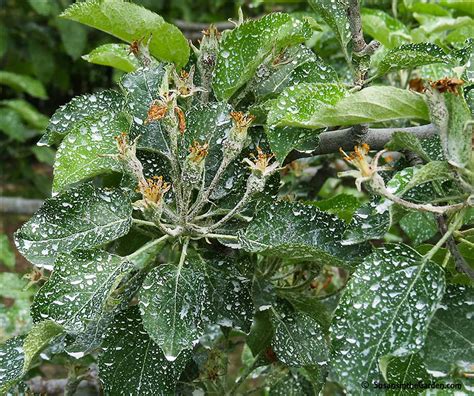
(134, 47)
(153, 189)
(156, 112)
(184, 82)
(128, 155)
(447, 85)
(181, 119)
(417, 85)
(197, 152)
(36, 275)
(260, 165)
(241, 120)
(366, 166)
(194, 165)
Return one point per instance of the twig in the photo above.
(376, 138)
(17, 205)
(459, 261)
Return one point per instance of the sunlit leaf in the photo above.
(130, 22)
(243, 49)
(114, 55)
(87, 149)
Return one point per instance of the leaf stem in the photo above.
(222, 236)
(207, 192)
(147, 246)
(452, 227)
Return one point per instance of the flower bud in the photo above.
(238, 134)
(194, 163)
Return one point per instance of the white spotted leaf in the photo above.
(172, 304)
(334, 13)
(243, 49)
(77, 291)
(301, 106)
(83, 217)
(300, 232)
(87, 149)
(11, 363)
(298, 338)
(385, 309)
(133, 364)
(79, 109)
(450, 339)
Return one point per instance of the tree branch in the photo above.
(17, 205)
(376, 138)
(459, 261)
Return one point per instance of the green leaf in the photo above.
(292, 384)
(451, 114)
(11, 363)
(430, 24)
(295, 66)
(243, 49)
(140, 89)
(410, 56)
(114, 55)
(299, 139)
(73, 36)
(313, 235)
(283, 140)
(450, 339)
(434, 170)
(7, 256)
(229, 293)
(79, 109)
(385, 309)
(297, 105)
(407, 141)
(78, 288)
(372, 104)
(298, 338)
(373, 220)
(334, 13)
(261, 332)
(13, 127)
(82, 217)
(37, 339)
(382, 27)
(87, 149)
(42, 7)
(172, 301)
(13, 286)
(419, 226)
(132, 364)
(406, 370)
(208, 124)
(27, 112)
(342, 205)
(23, 83)
(130, 22)
(42, 60)
(4, 39)
(44, 154)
